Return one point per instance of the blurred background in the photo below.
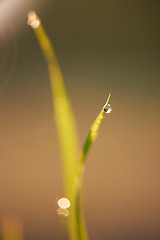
(102, 46)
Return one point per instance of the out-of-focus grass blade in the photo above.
(63, 115)
(12, 227)
(82, 233)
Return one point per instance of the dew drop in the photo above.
(107, 108)
(63, 203)
(33, 20)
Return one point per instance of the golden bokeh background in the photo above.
(102, 46)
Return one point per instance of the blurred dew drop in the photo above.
(63, 212)
(33, 20)
(63, 203)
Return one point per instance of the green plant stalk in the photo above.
(64, 121)
(67, 136)
(82, 233)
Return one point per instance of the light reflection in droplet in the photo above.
(63, 203)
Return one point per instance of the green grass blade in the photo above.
(82, 233)
(63, 115)
(67, 134)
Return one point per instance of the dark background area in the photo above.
(102, 46)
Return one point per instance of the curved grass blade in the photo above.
(67, 134)
(63, 115)
(82, 233)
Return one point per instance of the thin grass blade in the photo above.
(64, 118)
(82, 233)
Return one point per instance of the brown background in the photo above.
(102, 46)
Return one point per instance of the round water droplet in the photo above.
(63, 203)
(33, 20)
(107, 108)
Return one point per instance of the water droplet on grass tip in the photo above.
(107, 108)
(33, 20)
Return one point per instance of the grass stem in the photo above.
(64, 118)
(82, 233)
(72, 174)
